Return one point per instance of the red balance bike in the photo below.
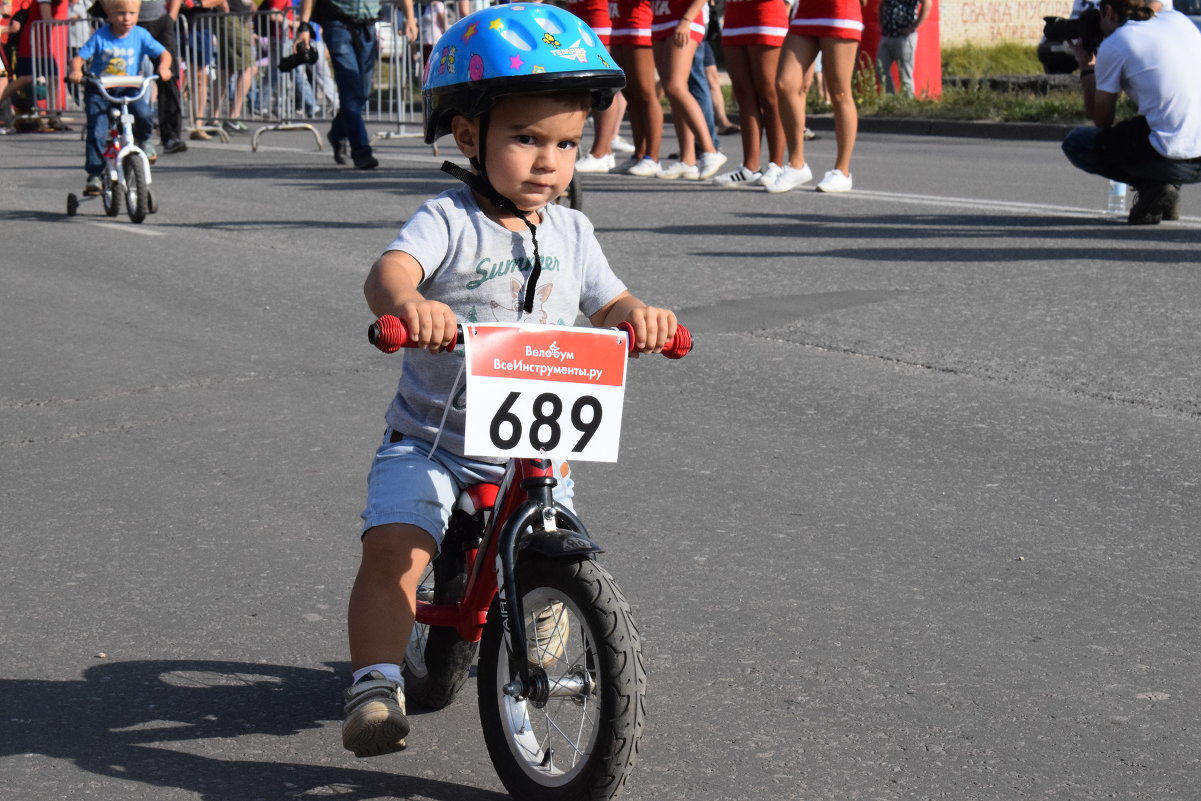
(560, 680)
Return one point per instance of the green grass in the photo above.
(975, 101)
(980, 61)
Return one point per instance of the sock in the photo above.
(389, 671)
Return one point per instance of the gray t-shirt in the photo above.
(479, 269)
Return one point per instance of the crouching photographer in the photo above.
(1155, 58)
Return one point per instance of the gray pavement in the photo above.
(915, 521)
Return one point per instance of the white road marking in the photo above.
(131, 228)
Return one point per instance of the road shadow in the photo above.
(960, 238)
(121, 721)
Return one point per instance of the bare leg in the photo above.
(750, 115)
(838, 64)
(796, 58)
(674, 64)
(383, 601)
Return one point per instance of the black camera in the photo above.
(1086, 28)
(301, 56)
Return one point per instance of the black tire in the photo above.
(72, 204)
(137, 189)
(151, 201)
(110, 195)
(438, 661)
(581, 746)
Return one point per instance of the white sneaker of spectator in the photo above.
(624, 167)
(678, 169)
(790, 178)
(646, 167)
(590, 163)
(709, 163)
(835, 181)
(620, 145)
(743, 176)
(770, 174)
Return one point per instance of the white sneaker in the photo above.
(770, 174)
(678, 169)
(645, 168)
(620, 145)
(740, 177)
(589, 163)
(791, 178)
(624, 167)
(709, 163)
(835, 181)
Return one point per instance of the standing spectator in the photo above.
(238, 61)
(721, 119)
(25, 13)
(899, 21)
(606, 122)
(833, 28)
(433, 25)
(677, 31)
(752, 34)
(349, 30)
(631, 39)
(7, 56)
(158, 17)
(199, 62)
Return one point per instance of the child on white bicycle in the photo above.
(514, 85)
(116, 49)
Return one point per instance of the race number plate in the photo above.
(544, 390)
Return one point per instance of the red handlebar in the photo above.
(389, 333)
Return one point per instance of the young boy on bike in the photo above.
(515, 97)
(116, 49)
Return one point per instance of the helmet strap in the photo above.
(479, 182)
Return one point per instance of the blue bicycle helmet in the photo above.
(513, 49)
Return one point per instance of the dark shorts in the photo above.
(44, 66)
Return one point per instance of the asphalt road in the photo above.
(915, 521)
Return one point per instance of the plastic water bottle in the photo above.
(1117, 199)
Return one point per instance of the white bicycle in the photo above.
(126, 166)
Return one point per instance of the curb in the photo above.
(1024, 131)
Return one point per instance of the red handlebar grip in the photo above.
(389, 333)
(675, 348)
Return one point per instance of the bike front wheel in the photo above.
(580, 742)
(137, 189)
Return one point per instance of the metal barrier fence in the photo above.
(230, 80)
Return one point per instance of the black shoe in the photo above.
(233, 126)
(1153, 201)
(341, 151)
(365, 161)
(174, 146)
(1173, 212)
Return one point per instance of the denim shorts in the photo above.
(407, 485)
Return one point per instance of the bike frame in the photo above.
(523, 501)
(121, 144)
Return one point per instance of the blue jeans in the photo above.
(98, 124)
(698, 86)
(352, 50)
(1080, 146)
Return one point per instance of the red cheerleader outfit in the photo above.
(595, 13)
(754, 22)
(631, 22)
(668, 14)
(834, 19)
